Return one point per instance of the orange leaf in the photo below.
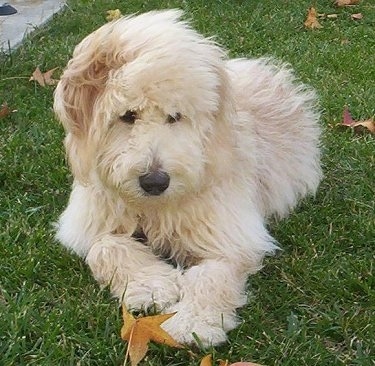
(139, 332)
(43, 79)
(311, 21)
(346, 2)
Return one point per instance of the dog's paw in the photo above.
(193, 328)
(151, 295)
(139, 279)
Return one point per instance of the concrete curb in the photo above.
(30, 15)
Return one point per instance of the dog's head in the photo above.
(146, 106)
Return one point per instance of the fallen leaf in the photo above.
(346, 2)
(367, 125)
(206, 361)
(43, 79)
(4, 110)
(139, 332)
(357, 16)
(311, 21)
(332, 16)
(48, 77)
(113, 15)
(347, 119)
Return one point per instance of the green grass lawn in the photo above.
(313, 304)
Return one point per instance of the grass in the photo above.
(313, 304)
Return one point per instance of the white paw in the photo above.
(134, 275)
(187, 325)
(153, 295)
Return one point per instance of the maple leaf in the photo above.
(113, 15)
(357, 126)
(139, 332)
(346, 2)
(45, 78)
(311, 21)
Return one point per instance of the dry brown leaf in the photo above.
(346, 2)
(357, 16)
(4, 110)
(48, 77)
(43, 79)
(38, 77)
(113, 15)
(367, 125)
(139, 332)
(311, 21)
(364, 126)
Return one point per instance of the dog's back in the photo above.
(277, 115)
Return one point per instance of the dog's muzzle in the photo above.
(154, 183)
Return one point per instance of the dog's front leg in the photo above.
(135, 275)
(210, 294)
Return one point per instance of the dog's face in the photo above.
(143, 101)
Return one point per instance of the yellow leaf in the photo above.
(113, 15)
(139, 332)
(206, 361)
(311, 21)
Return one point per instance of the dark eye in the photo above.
(174, 118)
(129, 117)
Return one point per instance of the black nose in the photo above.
(154, 183)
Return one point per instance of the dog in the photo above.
(179, 157)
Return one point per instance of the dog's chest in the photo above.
(173, 244)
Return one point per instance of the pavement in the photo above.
(30, 14)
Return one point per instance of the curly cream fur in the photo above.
(247, 147)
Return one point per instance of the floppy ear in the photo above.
(74, 102)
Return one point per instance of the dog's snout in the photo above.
(154, 183)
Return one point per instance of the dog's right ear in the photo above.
(74, 101)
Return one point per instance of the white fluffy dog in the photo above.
(171, 142)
